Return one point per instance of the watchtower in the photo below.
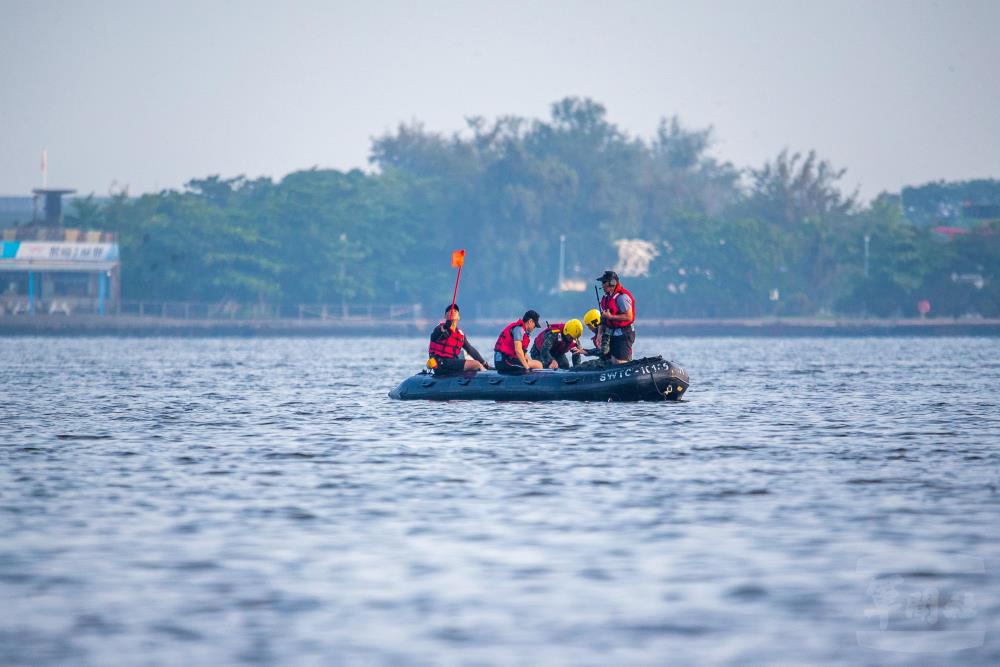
(53, 205)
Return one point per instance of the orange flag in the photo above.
(457, 258)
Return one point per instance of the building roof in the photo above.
(53, 191)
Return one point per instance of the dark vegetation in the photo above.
(781, 239)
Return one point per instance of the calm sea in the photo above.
(261, 501)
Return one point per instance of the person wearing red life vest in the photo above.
(449, 345)
(512, 344)
(617, 317)
(552, 344)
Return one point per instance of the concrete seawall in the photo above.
(121, 325)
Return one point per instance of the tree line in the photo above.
(701, 237)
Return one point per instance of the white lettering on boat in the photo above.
(651, 368)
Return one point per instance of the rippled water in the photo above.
(262, 501)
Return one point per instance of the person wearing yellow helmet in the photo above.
(593, 321)
(552, 344)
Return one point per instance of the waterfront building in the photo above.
(46, 268)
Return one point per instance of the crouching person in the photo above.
(552, 345)
(593, 321)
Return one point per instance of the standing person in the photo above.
(449, 345)
(552, 344)
(509, 352)
(617, 317)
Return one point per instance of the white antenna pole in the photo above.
(562, 261)
(45, 168)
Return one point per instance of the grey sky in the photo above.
(154, 94)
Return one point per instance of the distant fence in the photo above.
(199, 310)
(233, 310)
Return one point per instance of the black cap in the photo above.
(608, 275)
(450, 306)
(531, 315)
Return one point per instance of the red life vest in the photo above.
(448, 348)
(609, 303)
(505, 343)
(562, 345)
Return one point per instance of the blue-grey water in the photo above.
(261, 501)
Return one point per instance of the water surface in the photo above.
(261, 501)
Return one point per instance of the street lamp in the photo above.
(562, 261)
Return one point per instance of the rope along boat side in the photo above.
(648, 379)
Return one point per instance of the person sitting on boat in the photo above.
(552, 344)
(512, 344)
(446, 353)
(617, 316)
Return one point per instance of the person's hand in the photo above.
(554, 364)
(605, 313)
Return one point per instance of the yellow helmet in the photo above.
(592, 318)
(573, 329)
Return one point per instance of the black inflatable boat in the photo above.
(649, 379)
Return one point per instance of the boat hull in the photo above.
(648, 379)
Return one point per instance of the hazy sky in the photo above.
(155, 93)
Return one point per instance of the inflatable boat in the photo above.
(648, 379)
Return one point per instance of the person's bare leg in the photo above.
(534, 363)
(473, 365)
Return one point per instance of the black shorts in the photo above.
(621, 346)
(449, 366)
(510, 366)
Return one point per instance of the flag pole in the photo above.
(457, 259)
(454, 295)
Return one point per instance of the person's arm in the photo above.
(474, 353)
(625, 305)
(519, 353)
(517, 333)
(438, 333)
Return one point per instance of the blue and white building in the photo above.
(46, 268)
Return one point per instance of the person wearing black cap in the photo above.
(617, 317)
(512, 344)
(446, 353)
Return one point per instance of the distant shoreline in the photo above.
(134, 326)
